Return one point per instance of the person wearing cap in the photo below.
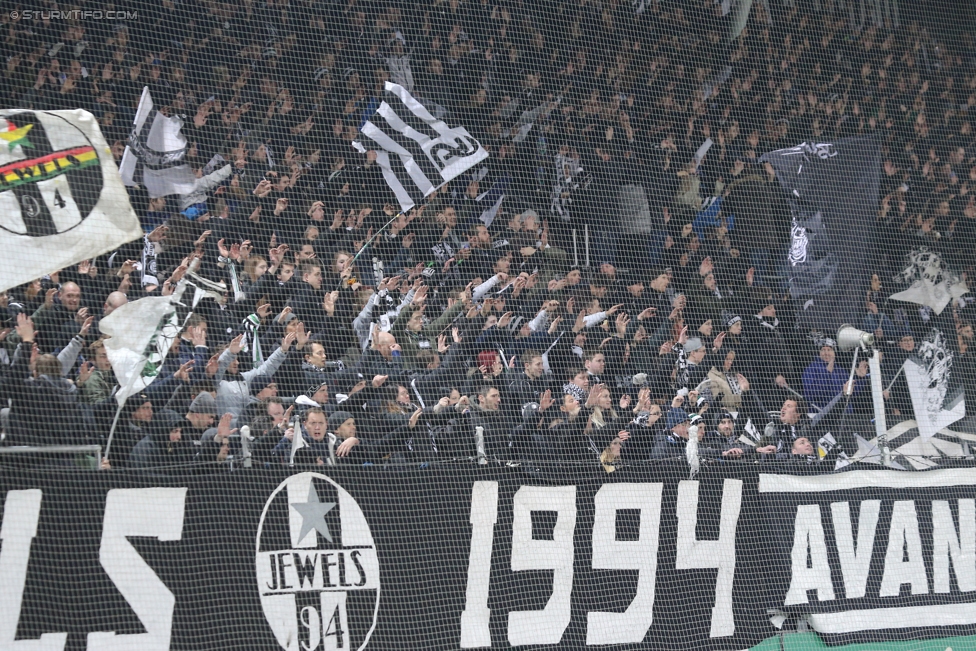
(824, 378)
(768, 358)
(164, 445)
(200, 416)
(692, 367)
(725, 438)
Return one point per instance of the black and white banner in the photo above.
(874, 555)
(417, 152)
(833, 193)
(479, 558)
(156, 152)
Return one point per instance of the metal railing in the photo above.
(93, 449)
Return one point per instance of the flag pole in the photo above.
(178, 293)
(296, 438)
(370, 240)
(118, 411)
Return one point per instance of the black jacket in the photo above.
(43, 410)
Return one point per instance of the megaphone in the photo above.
(849, 337)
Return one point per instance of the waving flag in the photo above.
(417, 152)
(61, 201)
(155, 155)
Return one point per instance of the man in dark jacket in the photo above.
(164, 445)
(383, 359)
(526, 387)
(57, 323)
(491, 426)
(44, 406)
(672, 441)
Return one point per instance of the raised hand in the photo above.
(328, 303)
(719, 339)
(183, 373)
(224, 430)
(81, 315)
(442, 343)
(86, 326)
(198, 336)
(683, 337)
(236, 344)
(706, 267)
(158, 234)
(378, 380)
(649, 313)
(415, 418)
(84, 372)
(346, 446)
(287, 341)
(301, 336)
(578, 325)
(25, 328)
(621, 322)
(594, 395)
(546, 401)
(743, 382)
(202, 239)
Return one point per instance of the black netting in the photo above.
(540, 244)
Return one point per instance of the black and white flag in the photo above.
(937, 394)
(417, 152)
(930, 281)
(832, 189)
(156, 153)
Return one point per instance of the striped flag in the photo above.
(417, 152)
(156, 153)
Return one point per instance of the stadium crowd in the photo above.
(623, 298)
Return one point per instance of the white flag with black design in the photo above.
(417, 152)
(156, 153)
(931, 282)
(140, 335)
(938, 398)
(61, 201)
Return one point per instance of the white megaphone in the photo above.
(849, 337)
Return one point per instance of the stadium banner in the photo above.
(832, 190)
(455, 557)
(874, 556)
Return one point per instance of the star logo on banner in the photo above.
(313, 515)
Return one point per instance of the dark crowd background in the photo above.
(622, 299)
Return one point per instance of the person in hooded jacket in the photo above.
(43, 405)
(164, 445)
(233, 386)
